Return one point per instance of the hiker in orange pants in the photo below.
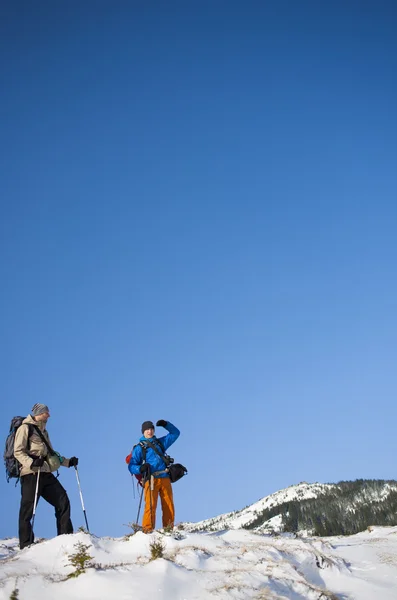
(149, 459)
(161, 486)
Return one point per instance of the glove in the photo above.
(73, 462)
(37, 462)
(145, 469)
(161, 423)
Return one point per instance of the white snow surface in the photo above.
(233, 564)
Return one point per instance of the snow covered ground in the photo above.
(234, 564)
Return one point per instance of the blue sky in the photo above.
(198, 224)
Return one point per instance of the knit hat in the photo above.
(147, 425)
(39, 409)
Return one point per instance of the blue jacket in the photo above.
(156, 463)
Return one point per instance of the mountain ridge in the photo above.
(321, 509)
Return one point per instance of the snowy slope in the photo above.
(229, 565)
(237, 519)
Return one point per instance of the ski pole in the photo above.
(81, 498)
(36, 494)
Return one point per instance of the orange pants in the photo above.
(162, 486)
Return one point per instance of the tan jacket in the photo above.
(25, 447)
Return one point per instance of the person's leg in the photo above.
(167, 502)
(28, 490)
(56, 495)
(149, 513)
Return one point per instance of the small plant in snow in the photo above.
(111, 566)
(135, 527)
(157, 548)
(81, 560)
(82, 529)
(168, 529)
(15, 593)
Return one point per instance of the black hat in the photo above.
(147, 425)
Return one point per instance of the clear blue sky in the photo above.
(199, 224)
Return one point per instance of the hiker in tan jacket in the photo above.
(34, 451)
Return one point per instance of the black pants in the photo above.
(52, 491)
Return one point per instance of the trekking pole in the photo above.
(36, 494)
(133, 486)
(151, 506)
(140, 504)
(81, 498)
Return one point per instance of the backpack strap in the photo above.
(51, 451)
(154, 446)
(30, 433)
(143, 448)
(30, 429)
(160, 443)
